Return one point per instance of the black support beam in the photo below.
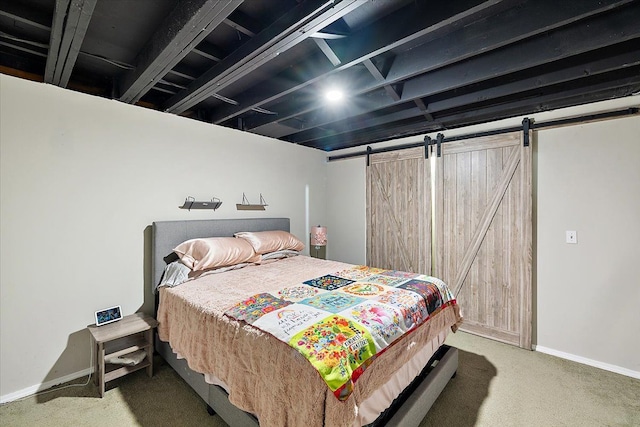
(20, 13)
(480, 98)
(609, 89)
(574, 38)
(189, 23)
(294, 27)
(70, 22)
(326, 50)
(358, 47)
(243, 24)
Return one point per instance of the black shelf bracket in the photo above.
(427, 144)
(526, 126)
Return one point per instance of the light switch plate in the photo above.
(572, 237)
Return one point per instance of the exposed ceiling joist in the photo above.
(23, 49)
(375, 72)
(326, 50)
(483, 96)
(405, 66)
(20, 13)
(70, 22)
(549, 101)
(360, 46)
(571, 73)
(189, 23)
(242, 23)
(459, 48)
(209, 51)
(294, 27)
(626, 84)
(423, 109)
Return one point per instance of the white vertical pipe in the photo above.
(306, 215)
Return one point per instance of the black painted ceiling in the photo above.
(408, 67)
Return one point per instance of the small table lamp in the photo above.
(318, 242)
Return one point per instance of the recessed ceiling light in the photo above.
(334, 95)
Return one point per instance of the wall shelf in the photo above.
(246, 206)
(191, 203)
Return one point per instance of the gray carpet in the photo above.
(496, 385)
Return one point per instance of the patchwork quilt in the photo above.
(341, 322)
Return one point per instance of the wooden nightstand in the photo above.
(134, 332)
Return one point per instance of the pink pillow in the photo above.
(264, 242)
(214, 252)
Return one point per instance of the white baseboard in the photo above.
(590, 362)
(34, 389)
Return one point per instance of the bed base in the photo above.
(408, 410)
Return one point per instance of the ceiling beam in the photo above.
(360, 46)
(424, 109)
(480, 99)
(209, 51)
(509, 90)
(347, 127)
(549, 46)
(571, 73)
(391, 91)
(23, 49)
(613, 88)
(554, 99)
(18, 12)
(326, 50)
(183, 72)
(294, 27)
(70, 22)
(185, 27)
(242, 23)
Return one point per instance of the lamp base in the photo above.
(318, 252)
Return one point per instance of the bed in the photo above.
(249, 377)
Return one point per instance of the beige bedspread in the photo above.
(266, 377)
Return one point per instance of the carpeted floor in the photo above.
(496, 385)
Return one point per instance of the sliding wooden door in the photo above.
(483, 233)
(399, 211)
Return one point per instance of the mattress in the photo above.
(265, 376)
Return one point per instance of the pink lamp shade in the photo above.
(318, 236)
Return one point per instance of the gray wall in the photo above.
(82, 179)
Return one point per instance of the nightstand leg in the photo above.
(101, 368)
(149, 337)
(96, 374)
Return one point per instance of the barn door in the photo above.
(399, 211)
(483, 233)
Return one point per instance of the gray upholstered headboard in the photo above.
(166, 235)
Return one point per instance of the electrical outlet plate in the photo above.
(572, 237)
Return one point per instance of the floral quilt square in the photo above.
(328, 282)
(338, 348)
(255, 307)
